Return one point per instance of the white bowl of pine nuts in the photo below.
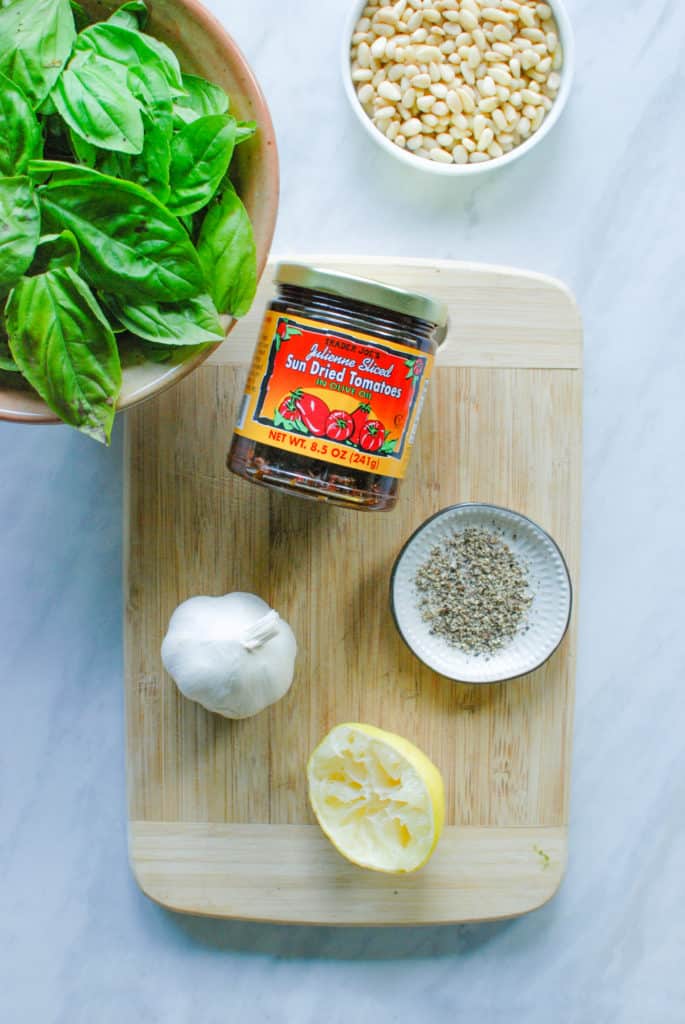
(458, 87)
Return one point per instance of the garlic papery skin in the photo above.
(233, 654)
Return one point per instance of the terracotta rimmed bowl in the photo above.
(204, 48)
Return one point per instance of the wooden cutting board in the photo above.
(219, 821)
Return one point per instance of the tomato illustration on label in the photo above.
(372, 436)
(314, 413)
(288, 407)
(284, 332)
(359, 418)
(340, 426)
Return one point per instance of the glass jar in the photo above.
(336, 387)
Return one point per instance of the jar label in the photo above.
(340, 396)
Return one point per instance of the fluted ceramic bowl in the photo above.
(204, 48)
(549, 585)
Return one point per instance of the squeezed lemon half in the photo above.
(378, 798)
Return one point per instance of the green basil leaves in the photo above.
(36, 37)
(121, 235)
(227, 252)
(19, 229)
(62, 343)
(20, 134)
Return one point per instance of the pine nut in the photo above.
(440, 155)
(378, 47)
(414, 142)
(502, 34)
(411, 128)
(479, 39)
(534, 34)
(486, 139)
(499, 120)
(390, 91)
(468, 144)
(362, 75)
(543, 11)
(445, 140)
(467, 74)
(453, 101)
(478, 158)
(439, 90)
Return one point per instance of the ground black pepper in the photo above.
(474, 592)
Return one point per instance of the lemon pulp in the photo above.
(377, 797)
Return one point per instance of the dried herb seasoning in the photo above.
(474, 592)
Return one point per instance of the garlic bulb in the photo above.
(232, 654)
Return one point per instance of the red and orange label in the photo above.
(340, 396)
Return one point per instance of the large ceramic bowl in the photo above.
(204, 48)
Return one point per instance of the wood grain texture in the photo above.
(215, 805)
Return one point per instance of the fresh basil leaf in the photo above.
(19, 229)
(193, 322)
(129, 48)
(84, 152)
(135, 351)
(36, 37)
(55, 251)
(65, 348)
(132, 15)
(150, 168)
(201, 99)
(227, 253)
(200, 155)
(7, 362)
(130, 244)
(244, 131)
(94, 99)
(20, 135)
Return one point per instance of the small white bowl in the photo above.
(549, 581)
(460, 170)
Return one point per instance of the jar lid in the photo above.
(361, 289)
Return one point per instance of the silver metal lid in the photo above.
(361, 289)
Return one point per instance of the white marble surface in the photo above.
(600, 204)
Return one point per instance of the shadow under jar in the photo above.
(335, 390)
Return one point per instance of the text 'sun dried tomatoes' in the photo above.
(339, 426)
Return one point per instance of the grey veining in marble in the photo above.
(599, 204)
